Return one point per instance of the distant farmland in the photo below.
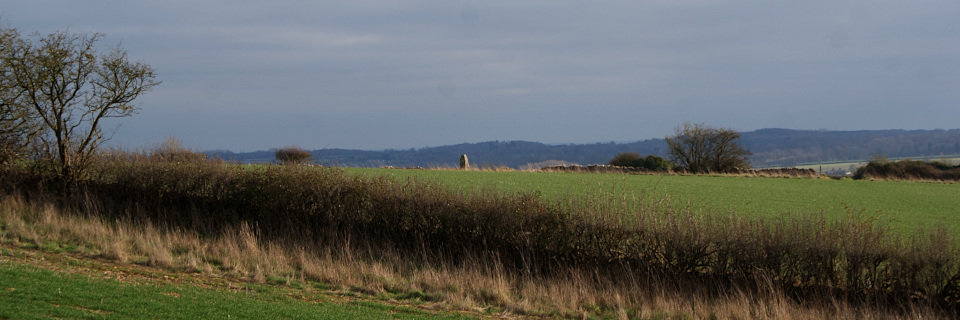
(830, 166)
(906, 206)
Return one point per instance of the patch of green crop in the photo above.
(905, 206)
(31, 293)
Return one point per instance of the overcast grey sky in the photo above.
(255, 75)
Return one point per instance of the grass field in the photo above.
(54, 286)
(906, 206)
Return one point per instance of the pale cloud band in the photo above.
(399, 74)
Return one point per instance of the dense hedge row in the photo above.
(908, 170)
(807, 257)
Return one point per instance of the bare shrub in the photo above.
(68, 89)
(293, 155)
(884, 169)
(700, 148)
(172, 150)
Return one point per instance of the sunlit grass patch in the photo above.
(905, 206)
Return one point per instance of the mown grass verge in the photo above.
(515, 252)
(62, 289)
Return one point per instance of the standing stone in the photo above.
(464, 163)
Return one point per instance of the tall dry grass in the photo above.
(513, 253)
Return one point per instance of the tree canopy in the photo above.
(57, 90)
(701, 148)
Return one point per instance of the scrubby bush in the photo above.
(625, 159)
(651, 162)
(172, 150)
(942, 166)
(882, 168)
(655, 163)
(293, 155)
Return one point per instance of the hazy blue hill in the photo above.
(770, 147)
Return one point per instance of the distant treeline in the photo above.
(770, 148)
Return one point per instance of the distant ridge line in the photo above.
(771, 147)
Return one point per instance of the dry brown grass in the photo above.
(479, 283)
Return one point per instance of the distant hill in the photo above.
(782, 147)
(770, 147)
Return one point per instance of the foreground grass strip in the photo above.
(28, 292)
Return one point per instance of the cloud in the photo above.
(616, 70)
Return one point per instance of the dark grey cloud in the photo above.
(248, 75)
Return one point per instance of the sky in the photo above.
(362, 74)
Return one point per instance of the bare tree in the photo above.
(70, 88)
(17, 125)
(700, 148)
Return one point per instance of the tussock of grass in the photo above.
(514, 253)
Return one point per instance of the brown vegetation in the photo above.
(516, 252)
(293, 155)
(56, 91)
(700, 148)
(650, 162)
(883, 169)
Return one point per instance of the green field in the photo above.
(906, 206)
(29, 292)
